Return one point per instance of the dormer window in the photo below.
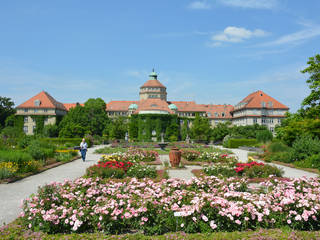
(37, 102)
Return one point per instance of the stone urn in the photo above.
(175, 157)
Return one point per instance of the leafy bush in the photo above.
(277, 146)
(305, 146)
(235, 143)
(24, 141)
(220, 169)
(15, 156)
(190, 155)
(64, 157)
(279, 156)
(142, 171)
(310, 162)
(96, 171)
(8, 169)
(264, 136)
(262, 171)
(32, 166)
(40, 150)
(63, 141)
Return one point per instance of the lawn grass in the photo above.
(16, 231)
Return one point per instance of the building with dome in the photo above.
(256, 108)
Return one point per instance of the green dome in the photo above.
(153, 75)
(133, 106)
(173, 107)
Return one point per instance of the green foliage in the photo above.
(312, 161)
(311, 104)
(92, 118)
(185, 131)
(15, 156)
(11, 135)
(96, 171)
(220, 131)
(279, 156)
(249, 131)
(118, 128)
(263, 136)
(258, 171)
(133, 127)
(277, 146)
(142, 171)
(305, 146)
(235, 143)
(200, 129)
(64, 157)
(39, 120)
(6, 109)
(64, 141)
(172, 131)
(51, 130)
(40, 150)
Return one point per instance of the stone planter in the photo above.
(175, 157)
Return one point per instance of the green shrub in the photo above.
(64, 157)
(96, 171)
(305, 146)
(5, 173)
(310, 162)
(279, 156)
(259, 171)
(142, 171)
(15, 156)
(24, 142)
(62, 141)
(264, 136)
(40, 150)
(235, 143)
(278, 146)
(220, 169)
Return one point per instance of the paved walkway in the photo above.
(12, 194)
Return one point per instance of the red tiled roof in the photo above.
(216, 111)
(153, 104)
(119, 105)
(46, 101)
(71, 105)
(152, 83)
(254, 100)
(188, 106)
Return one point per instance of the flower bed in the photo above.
(235, 169)
(120, 166)
(200, 205)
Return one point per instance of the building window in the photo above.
(45, 110)
(255, 120)
(25, 110)
(33, 128)
(263, 104)
(25, 119)
(36, 110)
(216, 114)
(222, 114)
(271, 129)
(270, 104)
(25, 129)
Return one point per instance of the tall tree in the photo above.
(200, 129)
(311, 104)
(6, 109)
(97, 115)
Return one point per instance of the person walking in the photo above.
(83, 149)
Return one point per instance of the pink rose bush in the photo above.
(204, 205)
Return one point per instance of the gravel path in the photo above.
(183, 173)
(11, 194)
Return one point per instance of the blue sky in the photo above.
(210, 51)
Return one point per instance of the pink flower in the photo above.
(237, 221)
(213, 225)
(204, 218)
(289, 221)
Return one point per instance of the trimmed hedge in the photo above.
(235, 143)
(63, 141)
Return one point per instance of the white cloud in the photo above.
(235, 35)
(297, 37)
(199, 5)
(257, 4)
